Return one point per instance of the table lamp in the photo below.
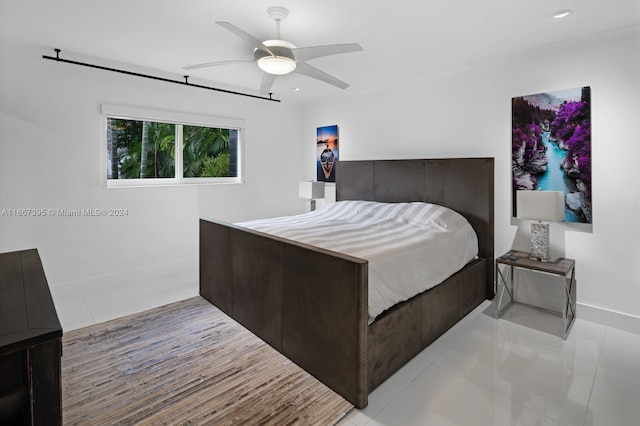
(311, 191)
(547, 206)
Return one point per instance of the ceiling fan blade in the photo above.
(214, 64)
(305, 53)
(313, 72)
(266, 83)
(254, 42)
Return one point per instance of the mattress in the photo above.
(410, 247)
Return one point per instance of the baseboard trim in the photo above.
(150, 271)
(608, 317)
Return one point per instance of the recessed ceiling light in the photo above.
(562, 13)
(296, 89)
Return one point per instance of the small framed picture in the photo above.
(327, 153)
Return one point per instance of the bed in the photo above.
(312, 304)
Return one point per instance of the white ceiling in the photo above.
(402, 40)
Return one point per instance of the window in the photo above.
(146, 147)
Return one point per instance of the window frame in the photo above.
(179, 119)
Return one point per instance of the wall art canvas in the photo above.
(327, 153)
(551, 147)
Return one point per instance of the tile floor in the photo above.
(496, 372)
(481, 372)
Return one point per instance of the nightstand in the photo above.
(559, 267)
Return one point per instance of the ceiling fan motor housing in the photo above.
(278, 48)
(281, 62)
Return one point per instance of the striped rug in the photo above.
(186, 363)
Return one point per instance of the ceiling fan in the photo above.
(279, 57)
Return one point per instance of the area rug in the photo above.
(186, 363)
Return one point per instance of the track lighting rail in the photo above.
(57, 58)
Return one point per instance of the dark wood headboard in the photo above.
(465, 185)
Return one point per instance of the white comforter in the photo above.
(410, 247)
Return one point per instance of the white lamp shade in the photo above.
(311, 190)
(540, 205)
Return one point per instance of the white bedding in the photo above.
(411, 247)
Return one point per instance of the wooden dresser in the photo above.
(30, 343)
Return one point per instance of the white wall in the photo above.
(467, 112)
(51, 157)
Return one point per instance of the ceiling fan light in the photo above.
(278, 65)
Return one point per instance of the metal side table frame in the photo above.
(561, 267)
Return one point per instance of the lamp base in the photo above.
(539, 242)
(311, 205)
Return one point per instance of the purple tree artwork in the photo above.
(551, 147)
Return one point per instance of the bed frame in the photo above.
(311, 304)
